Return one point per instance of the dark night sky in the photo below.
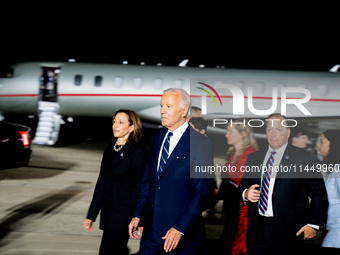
(111, 37)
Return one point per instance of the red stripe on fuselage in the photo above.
(20, 95)
(153, 95)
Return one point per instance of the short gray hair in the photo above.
(276, 115)
(185, 99)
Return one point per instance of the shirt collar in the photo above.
(280, 150)
(179, 131)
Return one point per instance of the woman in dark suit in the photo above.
(117, 188)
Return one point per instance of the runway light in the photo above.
(142, 63)
(71, 60)
(201, 66)
(70, 119)
(125, 62)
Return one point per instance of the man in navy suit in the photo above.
(169, 210)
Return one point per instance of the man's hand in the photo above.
(88, 225)
(308, 232)
(252, 194)
(133, 227)
(172, 238)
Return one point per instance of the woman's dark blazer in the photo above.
(117, 188)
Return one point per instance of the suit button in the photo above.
(158, 187)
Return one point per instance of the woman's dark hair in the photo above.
(333, 136)
(134, 120)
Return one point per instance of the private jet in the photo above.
(55, 91)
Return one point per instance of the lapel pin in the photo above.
(287, 157)
(121, 155)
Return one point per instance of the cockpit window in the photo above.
(6, 72)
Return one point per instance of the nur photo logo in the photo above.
(218, 96)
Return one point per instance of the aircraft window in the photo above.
(138, 83)
(118, 82)
(158, 84)
(98, 81)
(178, 83)
(6, 72)
(78, 79)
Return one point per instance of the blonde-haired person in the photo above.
(242, 141)
(117, 188)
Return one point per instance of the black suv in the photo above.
(15, 144)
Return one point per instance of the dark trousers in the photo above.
(265, 243)
(114, 243)
(330, 251)
(149, 246)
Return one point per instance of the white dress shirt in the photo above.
(177, 134)
(276, 164)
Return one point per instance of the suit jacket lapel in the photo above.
(259, 162)
(284, 162)
(157, 150)
(181, 145)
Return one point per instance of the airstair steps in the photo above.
(49, 123)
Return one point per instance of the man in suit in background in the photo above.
(199, 124)
(195, 112)
(280, 215)
(169, 208)
(299, 137)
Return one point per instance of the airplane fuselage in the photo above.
(98, 90)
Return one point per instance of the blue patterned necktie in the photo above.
(165, 155)
(265, 184)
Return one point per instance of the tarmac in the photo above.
(43, 205)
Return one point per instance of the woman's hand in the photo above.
(88, 225)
